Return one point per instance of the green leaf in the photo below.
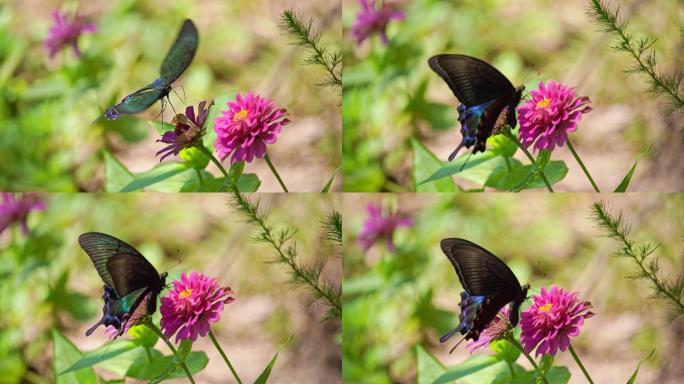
(425, 163)
(428, 369)
(462, 163)
(143, 336)
(116, 176)
(235, 171)
(468, 367)
(99, 355)
(249, 182)
(194, 158)
(267, 371)
(154, 175)
(558, 375)
(622, 187)
(632, 379)
(162, 367)
(327, 186)
(502, 146)
(505, 350)
(64, 354)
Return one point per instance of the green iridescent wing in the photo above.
(181, 53)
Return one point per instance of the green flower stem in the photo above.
(270, 165)
(229, 183)
(516, 344)
(584, 370)
(159, 333)
(581, 164)
(225, 358)
(517, 142)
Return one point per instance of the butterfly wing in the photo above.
(181, 53)
(480, 272)
(473, 81)
(119, 265)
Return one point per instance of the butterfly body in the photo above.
(488, 283)
(131, 282)
(488, 99)
(175, 63)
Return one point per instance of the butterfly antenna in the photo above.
(178, 96)
(457, 344)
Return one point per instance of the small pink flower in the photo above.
(552, 320)
(250, 123)
(188, 132)
(378, 226)
(496, 330)
(66, 32)
(15, 208)
(551, 113)
(195, 302)
(371, 20)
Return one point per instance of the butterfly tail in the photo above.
(94, 327)
(448, 335)
(455, 152)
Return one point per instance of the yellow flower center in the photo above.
(241, 115)
(543, 103)
(546, 307)
(186, 293)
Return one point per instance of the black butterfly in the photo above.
(489, 285)
(175, 63)
(488, 98)
(128, 278)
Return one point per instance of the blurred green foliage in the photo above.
(392, 100)
(50, 293)
(47, 107)
(396, 305)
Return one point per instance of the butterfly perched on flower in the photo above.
(488, 99)
(131, 284)
(488, 286)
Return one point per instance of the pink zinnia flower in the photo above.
(250, 123)
(551, 113)
(66, 33)
(195, 302)
(555, 316)
(371, 20)
(15, 208)
(188, 132)
(496, 330)
(378, 226)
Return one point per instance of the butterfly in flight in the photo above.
(489, 285)
(175, 63)
(488, 99)
(130, 281)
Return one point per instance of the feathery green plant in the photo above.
(285, 252)
(333, 227)
(642, 52)
(304, 35)
(648, 267)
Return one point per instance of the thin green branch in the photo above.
(648, 267)
(281, 240)
(642, 52)
(304, 35)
